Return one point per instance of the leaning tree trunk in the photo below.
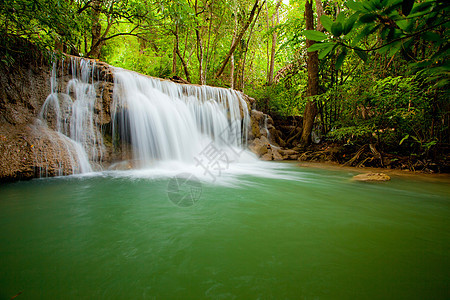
(183, 62)
(237, 40)
(201, 75)
(313, 81)
(276, 21)
(232, 65)
(242, 76)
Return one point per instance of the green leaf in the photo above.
(388, 3)
(340, 18)
(407, 5)
(336, 29)
(367, 30)
(326, 22)
(326, 50)
(314, 35)
(370, 5)
(404, 138)
(405, 25)
(348, 26)
(431, 36)
(340, 58)
(317, 47)
(368, 18)
(442, 83)
(377, 4)
(394, 48)
(354, 5)
(422, 6)
(361, 54)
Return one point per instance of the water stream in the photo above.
(283, 232)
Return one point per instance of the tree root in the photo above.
(356, 156)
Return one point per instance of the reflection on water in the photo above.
(269, 231)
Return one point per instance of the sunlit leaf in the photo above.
(314, 35)
(341, 17)
(326, 22)
(326, 50)
(316, 47)
(354, 5)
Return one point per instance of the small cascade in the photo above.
(266, 118)
(165, 121)
(70, 112)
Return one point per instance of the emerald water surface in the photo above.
(302, 234)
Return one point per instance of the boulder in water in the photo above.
(372, 177)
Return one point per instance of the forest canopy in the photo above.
(359, 72)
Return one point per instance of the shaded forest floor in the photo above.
(367, 156)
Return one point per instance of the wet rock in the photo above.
(276, 155)
(372, 177)
(260, 146)
(30, 151)
(267, 156)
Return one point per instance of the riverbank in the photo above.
(373, 156)
(329, 165)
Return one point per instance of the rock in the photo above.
(260, 146)
(288, 152)
(372, 177)
(276, 155)
(267, 156)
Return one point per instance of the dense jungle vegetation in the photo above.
(370, 76)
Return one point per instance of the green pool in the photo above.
(294, 233)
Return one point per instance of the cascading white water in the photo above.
(165, 121)
(160, 121)
(71, 114)
(266, 119)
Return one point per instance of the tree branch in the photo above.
(395, 40)
(238, 39)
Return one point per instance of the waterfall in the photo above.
(70, 112)
(152, 120)
(266, 119)
(167, 121)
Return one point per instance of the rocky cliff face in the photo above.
(28, 148)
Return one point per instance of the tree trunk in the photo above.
(96, 30)
(177, 42)
(313, 83)
(242, 76)
(98, 39)
(209, 38)
(238, 39)
(275, 22)
(267, 44)
(232, 65)
(319, 9)
(201, 75)
(174, 58)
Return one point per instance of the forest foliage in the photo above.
(383, 69)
